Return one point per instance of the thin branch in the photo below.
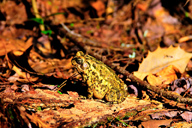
(34, 5)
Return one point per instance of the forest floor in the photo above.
(148, 44)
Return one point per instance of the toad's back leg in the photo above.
(99, 91)
(116, 95)
(96, 88)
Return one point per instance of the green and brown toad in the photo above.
(102, 81)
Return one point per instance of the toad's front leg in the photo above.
(90, 90)
(90, 93)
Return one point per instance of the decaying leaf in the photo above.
(182, 85)
(9, 44)
(187, 116)
(163, 57)
(155, 123)
(165, 76)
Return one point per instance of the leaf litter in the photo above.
(33, 67)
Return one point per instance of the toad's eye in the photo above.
(79, 61)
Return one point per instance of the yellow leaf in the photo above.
(165, 76)
(163, 57)
(141, 75)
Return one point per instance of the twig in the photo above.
(34, 5)
(84, 21)
(82, 42)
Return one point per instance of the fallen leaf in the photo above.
(160, 115)
(163, 57)
(99, 6)
(141, 75)
(155, 123)
(10, 44)
(182, 85)
(154, 80)
(165, 76)
(165, 19)
(187, 116)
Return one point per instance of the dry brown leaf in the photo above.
(8, 44)
(26, 59)
(154, 80)
(99, 6)
(165, 19)
(20, 59)
(141, 75)
(187, 116)
(15, 12)
(165, 76)
(155, 123)
(168, 74)
(50, 65)
(20, 73)
(162, 58)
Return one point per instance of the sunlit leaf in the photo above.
(47, 32)
(72, 24)
(38, 20)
